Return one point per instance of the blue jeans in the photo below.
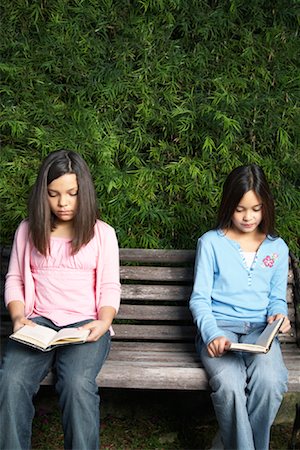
(76, 367)
(247, 389)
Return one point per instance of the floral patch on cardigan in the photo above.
(269, 261)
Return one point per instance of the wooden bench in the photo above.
(154, 343)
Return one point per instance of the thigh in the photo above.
(85, 359)
(229, 368)
(268, 368)
(25, 363)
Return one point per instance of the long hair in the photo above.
(241, 180)
(42, 220)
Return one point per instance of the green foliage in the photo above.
(162, 98)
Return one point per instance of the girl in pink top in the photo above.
(63, 272)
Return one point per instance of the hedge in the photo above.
(162, 98)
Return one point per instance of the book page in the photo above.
(69, 335)
(36, 334)
(253, 348)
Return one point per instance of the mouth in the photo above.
(247, 225)
(64, 213)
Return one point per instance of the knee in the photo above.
(15, 385)
(270, 380)
(227, 386)
(76, 385)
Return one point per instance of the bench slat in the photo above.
(164, 333)
(154, 312)
(165, 274)
(154, 332)
(155, 292)
(158, 313)
(157, 256)
(166, 292)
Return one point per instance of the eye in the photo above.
(257, 208)
(73, 194)
(239, 209)
(51, 194)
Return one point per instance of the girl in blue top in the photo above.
(240, 284)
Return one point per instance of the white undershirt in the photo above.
(249, 258)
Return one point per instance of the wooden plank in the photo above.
(112, 376)
(165, 292)
(155, 292)
(165, 333)
(185, 348)
(154, 312)
(152, 377)
(165, 274)
(157, 256)
(165, 347)
(155, 332)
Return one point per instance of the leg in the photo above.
(227, 378)
(77, 367)
(267, 382)
(22, 370)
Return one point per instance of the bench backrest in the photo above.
(156, 287)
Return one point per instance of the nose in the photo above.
(62, 201)
(247, 215)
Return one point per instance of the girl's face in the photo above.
(248, 214)
(62, 197)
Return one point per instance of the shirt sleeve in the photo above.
(200, 301)
(109, 276)
(14, 284)
(278, 284)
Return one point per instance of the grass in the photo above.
(143, 420)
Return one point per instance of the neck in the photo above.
(249, 242)
(63, 229)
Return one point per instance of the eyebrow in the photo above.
(254, 206)
(69, 190)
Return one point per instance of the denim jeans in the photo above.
(76, 367)
(247, 389)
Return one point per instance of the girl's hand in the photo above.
(286, 324)
(97, 329)
(218, 346)
(20, 321)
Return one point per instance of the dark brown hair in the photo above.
(241, 180)
(42, 220)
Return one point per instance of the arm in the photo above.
(101, 326)
(17, 315)
(108, 283)
(200, 302)
(15, 284)
(277, 297)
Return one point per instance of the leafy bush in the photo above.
(162, 98)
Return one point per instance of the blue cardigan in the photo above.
(225, 289)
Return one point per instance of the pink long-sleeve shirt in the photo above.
(62, 287)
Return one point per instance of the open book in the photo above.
(263, 343)
(45, 339)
